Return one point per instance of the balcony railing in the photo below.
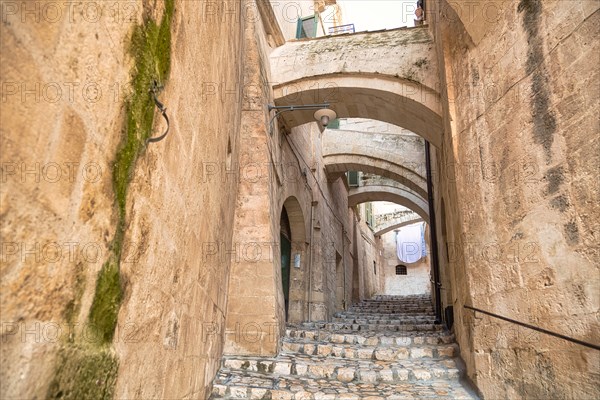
(338, 30)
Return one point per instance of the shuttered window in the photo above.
(307, 27)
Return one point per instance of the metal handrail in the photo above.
(535, 328)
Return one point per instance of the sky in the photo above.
(378, 14)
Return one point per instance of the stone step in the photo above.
(394, 313)
(400, 296)
(371, 338)
(375, 317)
(413, 301)
(384, 321)
(249, 385)
(395, 303)
(399, 299)
(395, 310)
(381, 315)
(381, 352)
(340, 326)
(379, 349)
(345, 370)
(405, 301)
(394, 307)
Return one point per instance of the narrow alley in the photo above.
(300, 199)
(384, 348)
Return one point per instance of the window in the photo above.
(334, 124)
(307, 27)
(401, 270)
(369, 215)
(353, 178)
(374, 267)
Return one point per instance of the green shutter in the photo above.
(304, 30)
(299, 28)
(353, 178)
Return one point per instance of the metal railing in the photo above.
(535, 328)
(338, 30)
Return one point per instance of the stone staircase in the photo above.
(380, 349)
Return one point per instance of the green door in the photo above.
(286, 256)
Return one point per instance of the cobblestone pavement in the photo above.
(385, 348)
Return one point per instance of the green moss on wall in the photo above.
(84, 372)
(107, 298)
(74, 305)
(87, 366)
(151, 50)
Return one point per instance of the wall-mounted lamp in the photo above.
(323, 114)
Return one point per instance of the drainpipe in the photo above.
(344, 265)
(310, 258)
(433, 235)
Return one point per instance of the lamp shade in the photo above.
(324, 115)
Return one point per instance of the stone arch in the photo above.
(397, 226)
(401, 102)
(297, 287)
(392, 194)
(340, 163)
(296, 218)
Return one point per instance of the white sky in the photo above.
(378, 14)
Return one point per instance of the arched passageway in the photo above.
(347, 72)
(392, 194)
(285, 247)
(293, 250)
(337, 164)
(396, 225)
(399, 102)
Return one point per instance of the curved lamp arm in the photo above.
(282, 109)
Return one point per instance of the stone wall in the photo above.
(416, 281)
(64, 82)
(67, 104)
(520, 192)
(370, 257)
(288, 173)
(181, 209)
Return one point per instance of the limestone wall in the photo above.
(181, 208)
(64, 81)
(520, 192)
(409, 54)
(416, 281)
(283, 169)
(67, 105)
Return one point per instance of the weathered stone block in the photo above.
(346, 374)
(384, 354)
(368, 376)
(324, 350)
(421, 374)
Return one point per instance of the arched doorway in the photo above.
(285, 234)
(340, 287)
(294, 262)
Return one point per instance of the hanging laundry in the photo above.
(410, 243)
